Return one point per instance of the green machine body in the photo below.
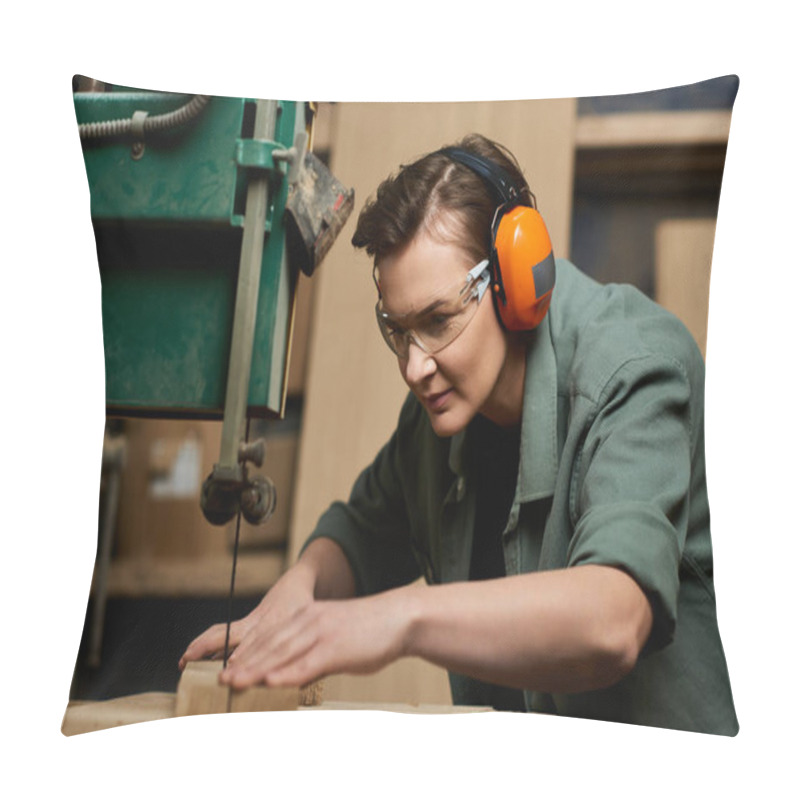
(168, 208)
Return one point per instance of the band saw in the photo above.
(205, 210)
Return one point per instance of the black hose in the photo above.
(160, 122)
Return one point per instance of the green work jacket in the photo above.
(611, 471)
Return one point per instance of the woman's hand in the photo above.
(291, 593)
(356, 636)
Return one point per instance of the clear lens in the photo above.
(442, 321)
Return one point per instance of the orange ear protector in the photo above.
(521, 257)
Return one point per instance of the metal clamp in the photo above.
(293, 156)
(137, 131)
(228, 490)
(258, 154)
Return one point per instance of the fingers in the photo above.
(287, 598)
(266, 651)
(309, 667)
(210, 643)
(323, 638)
(317, 641)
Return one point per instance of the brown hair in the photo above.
(440, 196)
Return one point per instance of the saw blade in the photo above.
(230, 593)
(230, 604)
(233, 578)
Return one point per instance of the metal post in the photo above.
(244, 319)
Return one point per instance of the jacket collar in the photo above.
(538, 463)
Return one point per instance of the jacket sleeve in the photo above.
(372, 527)
(630, 490)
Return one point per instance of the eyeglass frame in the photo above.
(476, 283)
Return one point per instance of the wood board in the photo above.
(188, 577)
(85, 717)
(90, 716)
(683, 272)
(200, 692)
(653, 128)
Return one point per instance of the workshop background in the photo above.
(629, 188)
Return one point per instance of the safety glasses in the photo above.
(441, 321)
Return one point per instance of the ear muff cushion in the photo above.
(527, 268)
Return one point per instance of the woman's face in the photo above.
(470, 374)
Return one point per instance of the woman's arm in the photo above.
(325, 562)
(567, 631)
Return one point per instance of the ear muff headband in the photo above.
(493, 174)
(523, 267)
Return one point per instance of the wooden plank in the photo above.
(200, 678)
(84, 717)
(321, 131)
(300, 332)
(638, 129)
(403, 708)
(199, 692)
(263, 698)
(88, 716)
(683, 272)
(353, 389)
(410, 680)
(186, 577)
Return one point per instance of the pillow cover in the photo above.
(629, 186)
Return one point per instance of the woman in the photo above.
(549, 483)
